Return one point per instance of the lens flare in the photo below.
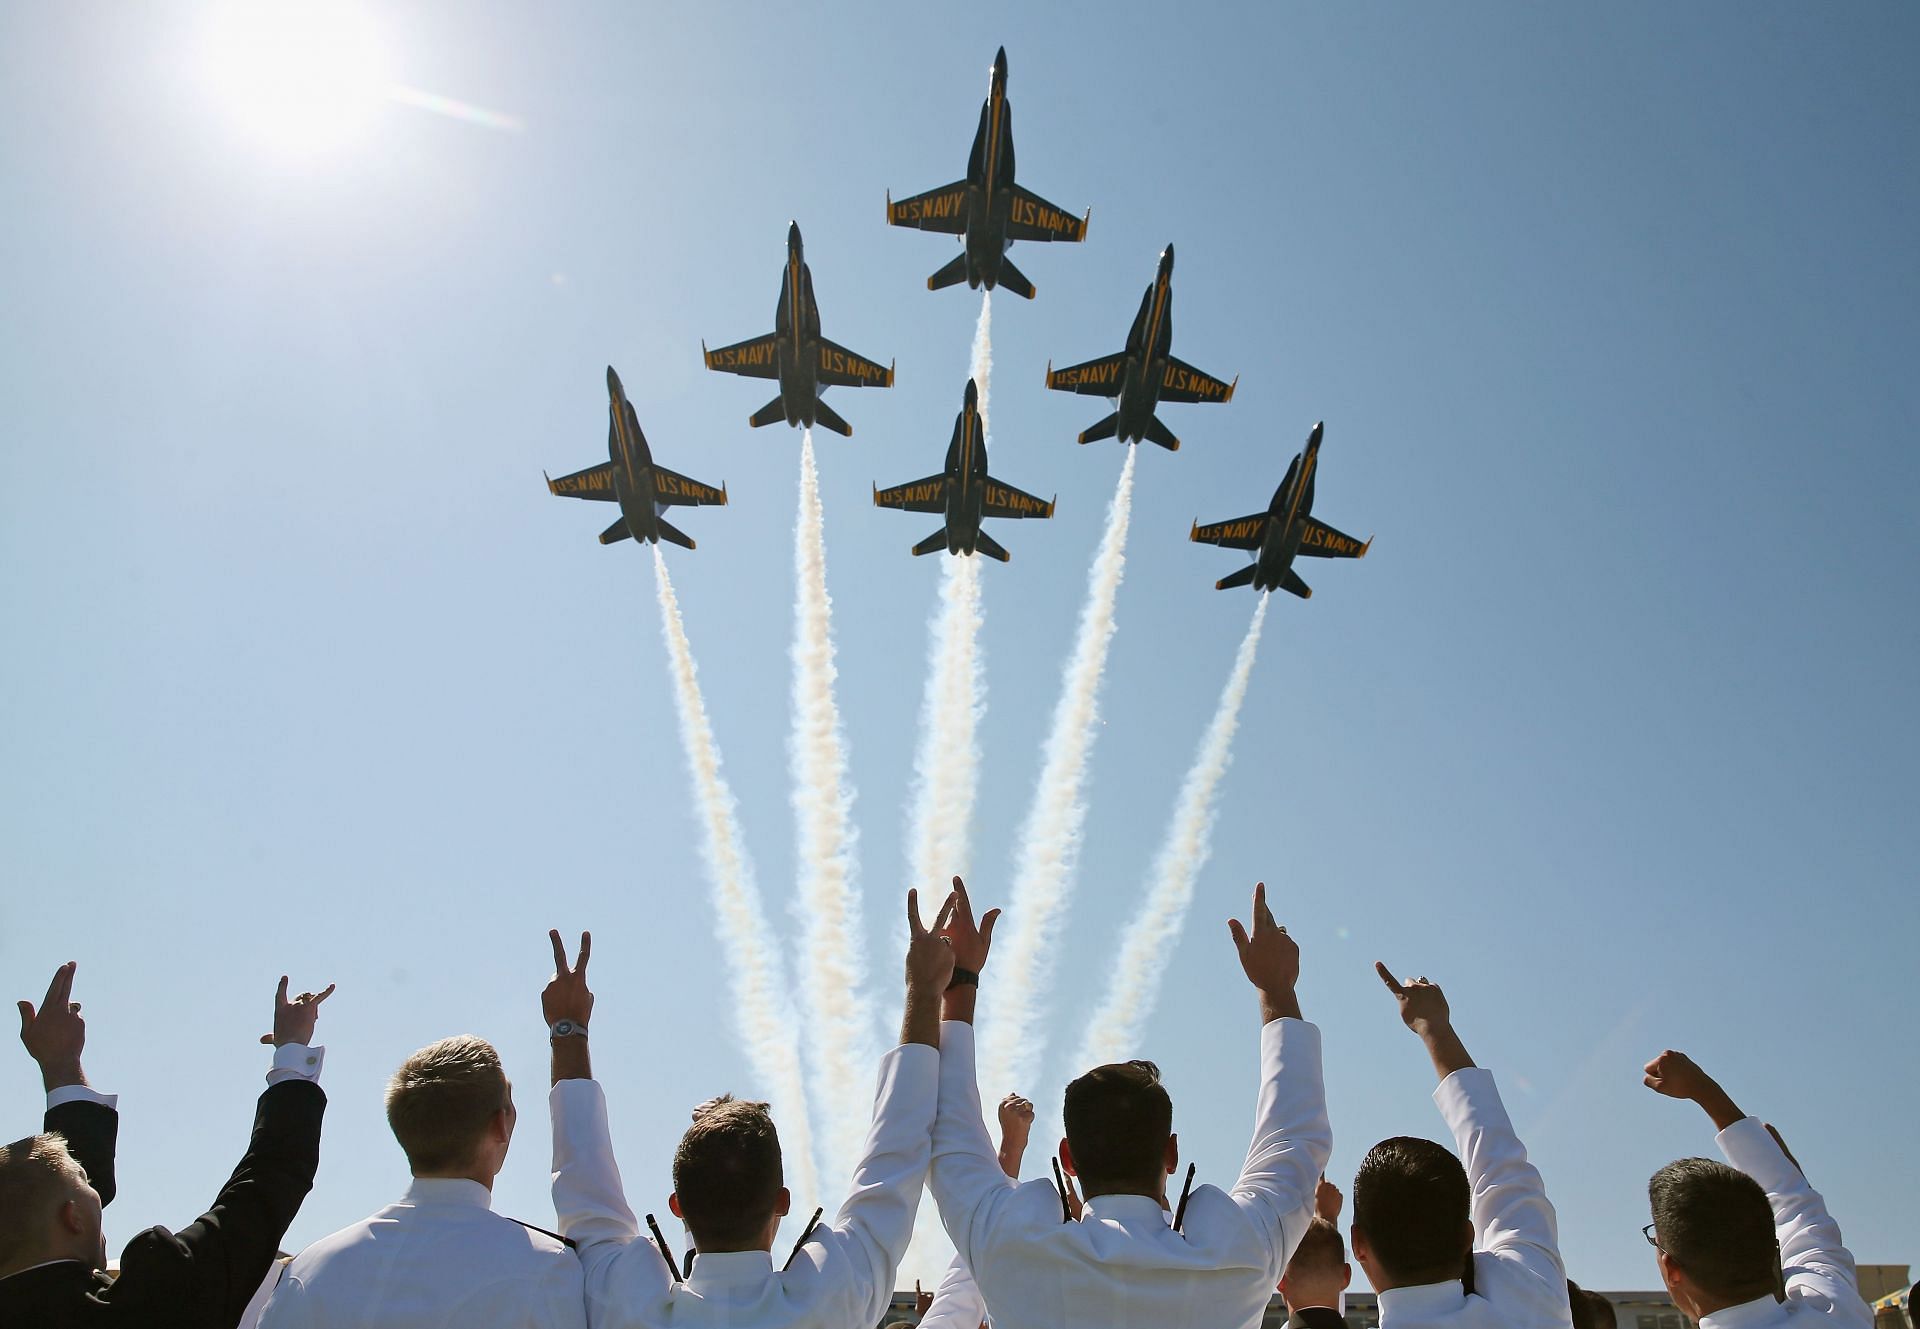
(303, 77)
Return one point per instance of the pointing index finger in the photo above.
(559, 952)
(586, 949)
(1387, 978)
(915, 928)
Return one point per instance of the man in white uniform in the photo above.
(438, 1258)
(956, 1301)
(1123, 1264)
(728, 1187)
(1421, 1222)
(1728, 1237)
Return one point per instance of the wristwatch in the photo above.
(568, 1029)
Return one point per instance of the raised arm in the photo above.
(1814, 1259)
(54, 1037)
(1512, 1217)
(966, 1175)
(1291, 1137)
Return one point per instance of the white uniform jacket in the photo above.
(841, 1279)
(439, 1259)
(956, 1300)
(1518, 1277)
(1122, 1264)
(1822, 1287)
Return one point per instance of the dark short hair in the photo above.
(442, 1100)
(727, 1174)
(1411, 1199)
(1591, 1310)
(1321, 1250)
(1118, 1118)
(1715, 1223)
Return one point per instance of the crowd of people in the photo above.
(1447, 1237)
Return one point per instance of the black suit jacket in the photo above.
(91, 1131)
(202, 1276)
(1316, 1317)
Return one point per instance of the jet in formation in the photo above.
(795, 353)
(987, 209)
(1143, 375)
(964, 492)
(1285, 530)
(643, 488)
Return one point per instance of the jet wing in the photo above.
(928, 495)
(1320, 540)
(841, 368)
(1183, 382)
(594, 482)
(675, 488)
(1033, 218)
(1003, 500)
(756, 357)
(943, 209)
(1093, 378)
(1240, 533)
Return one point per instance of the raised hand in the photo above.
(293, 1021)
(1327, 1200)
(55, 1035)
(567, 996)
(1423, 1006)
(930, 955)
(971, 940)
(1270, 959)
(1677, 1076)
(1016, 1125)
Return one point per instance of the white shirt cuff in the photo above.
(296, 1061)
(79, 1093)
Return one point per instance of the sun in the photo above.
(301, 75)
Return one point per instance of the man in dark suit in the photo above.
(55, 1036)
(52, 1245)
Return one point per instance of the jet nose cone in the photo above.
(1166, 259)
(973, 393)
(613, 383)
(1000, 66)
(1313, 439)
(793, 235)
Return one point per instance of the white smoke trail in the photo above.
(1134, 988)
(947, 764)
(840, 1021)
(1050, 840)
(761, 1009)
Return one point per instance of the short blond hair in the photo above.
(37, 1176)
(442, 1100)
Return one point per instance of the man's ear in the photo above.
(1346, 1275)
(1066, 1158)
(71, 1219)
(1173, 1154)
(784, 1204)
(673, 1206)
(502, 1128)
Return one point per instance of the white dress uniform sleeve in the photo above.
(1516, 1233)
(853, 1262)
(967, 1181)
(957, 1303)
(592, 1206)
(1292, 1138)
(1819, 1269)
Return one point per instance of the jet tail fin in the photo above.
(1243, 577)
(1012, 279)
(986, 544)
(616, 532)
(1290, 581)
(772, 413)
(1162, 435)
(828, 418)
(933, 544)
(951, 275)
(673, 534)
(1106, 428)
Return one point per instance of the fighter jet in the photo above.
(643, 488)
(1286, 529)
(964, 492)
(987, 209)
(795, 353)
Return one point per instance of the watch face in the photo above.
(562, 1028)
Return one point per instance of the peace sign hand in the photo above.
(929, 953)
(567, 996)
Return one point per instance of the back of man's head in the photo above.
(1118, 1119)
(38, 1177)
(727, 1175)
(442, 1101)
(1590, 1310)
(1411, 1203)
(1318, 1272)
(1714, 1222)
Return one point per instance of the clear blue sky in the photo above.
(1611, 315)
